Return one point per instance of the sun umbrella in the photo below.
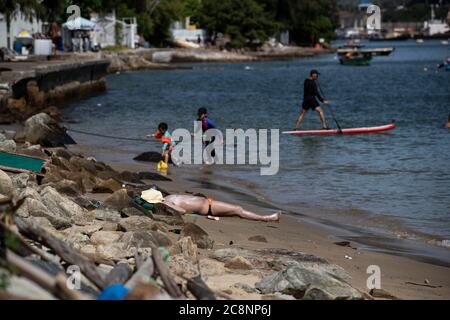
(79, 23)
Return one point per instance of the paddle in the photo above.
(329, 107)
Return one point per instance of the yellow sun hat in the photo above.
(152, 196)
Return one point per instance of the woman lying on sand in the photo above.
(207, 206)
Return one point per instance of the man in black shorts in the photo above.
(310, 101)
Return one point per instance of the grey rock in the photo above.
(107, 215)
(118, 200)
(198, 235)
(115, 251)
(308, 284)
(105, 237)
(239, 263)
(23, 180)
(146, 239)
(60, 205)
(247, 288)
(43, 130)
(107, 186)
(138, 223)
(8, 145)
(131, 212)
(35, 208)
(6, 184)
(68, 187)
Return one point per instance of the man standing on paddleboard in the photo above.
(310, 96)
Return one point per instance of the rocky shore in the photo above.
(51, 221)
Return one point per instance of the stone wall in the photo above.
(48, 85)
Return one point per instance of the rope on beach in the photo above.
(107, 136)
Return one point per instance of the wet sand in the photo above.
(431, 281)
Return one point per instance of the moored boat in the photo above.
(355, 58)
(360, 48)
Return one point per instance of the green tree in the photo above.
(244, 20)
(308, 21)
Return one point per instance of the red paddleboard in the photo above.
(387, 127)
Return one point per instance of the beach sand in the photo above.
(295, 233)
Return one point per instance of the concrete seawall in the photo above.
(30, 87)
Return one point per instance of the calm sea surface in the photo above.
(397, 183)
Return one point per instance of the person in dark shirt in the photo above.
(206, 125)
(310, 96)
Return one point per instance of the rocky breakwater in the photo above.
(54, 223)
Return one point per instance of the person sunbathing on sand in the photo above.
(207, 206)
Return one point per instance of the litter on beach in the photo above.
(14, 162)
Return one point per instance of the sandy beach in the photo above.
(403, 277)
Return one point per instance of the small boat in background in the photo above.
(419, 40)
(355, 58)
(361, 48)
(444, 42)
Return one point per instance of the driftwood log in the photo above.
(199, 289)
(168, 280)
(56, 285)
(62, 249)
(142, 274)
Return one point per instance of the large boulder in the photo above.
(308, 284)
(146, 239)
(105, 237)
(68, 187)
(115, 251)
(132, 212)
(139, 223)
(239, 263)
(6, 144)
(107, 186)
(22, 180)
(198, 235)
(35, 208)
(6, 184)
(186, 247)
(109, 215)
(42, 129)
(63, 206)
(119, 200)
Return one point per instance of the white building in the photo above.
(105, 31)
(434, 26)
(19, 23)
(185, 32)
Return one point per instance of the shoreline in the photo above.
(306, 235)
(401, 277)
(394, 241)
